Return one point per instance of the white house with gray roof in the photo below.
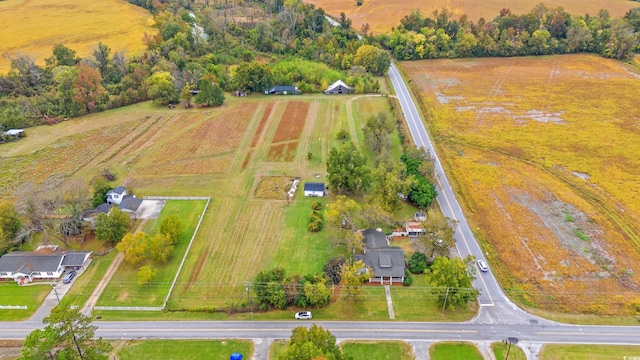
(386, 262)
(26, 266)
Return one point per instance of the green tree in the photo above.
(377, 131)
(172, 227)
(317, 294)
(343, 212)
(66, 77)
(347, 168)
(454, 276)
(313, 343)
(10, 225)
(253, 76)
(160, 248)
(147, 274)
(333, 268)
(354, 241)
(186, 96)
(373, 59)
(352, 276)
(68, 335)
(161, 88)
(375, 216)
(417, 263)
(62, 56)
(210, 94)
(134, 247)
(439, 234)
(113, 226)
(390, 183)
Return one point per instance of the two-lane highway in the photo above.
(490, 292)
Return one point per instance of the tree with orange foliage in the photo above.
(90, 94)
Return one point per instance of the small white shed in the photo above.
(314, 189)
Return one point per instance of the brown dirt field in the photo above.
(543, 156)
(263, 122)
(369, 12)
(292, 122)
(282, 151)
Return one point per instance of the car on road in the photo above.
(303, 315)
(68, 277)
(482, 265)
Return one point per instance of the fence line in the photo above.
(13, 307)
(176, 198)
(128, 308)
(186, 253)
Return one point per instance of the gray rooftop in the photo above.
(374, 239)
(384, 262)
(119, 190)
(314, 186)
(130, 202)
(27, 262)
(75, 258)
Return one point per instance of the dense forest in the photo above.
(246, 46)
(542, 31)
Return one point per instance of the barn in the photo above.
(314, 189)
(338, 87)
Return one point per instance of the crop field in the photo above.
(370, 10)
(543, 152)
(33, 28)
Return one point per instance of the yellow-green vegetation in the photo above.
(500, 350)
(184, 349)
(370, 10)
(543, 153)
(84, 285)
(30, 296)
(378, 350)
(124, 290)
(277, 348)
(591, 352)
(33, 28)
(454, 351)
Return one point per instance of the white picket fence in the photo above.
(176, 198)
(13, 307)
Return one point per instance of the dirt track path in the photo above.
(95, 295)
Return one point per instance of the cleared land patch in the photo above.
(555, 201)
(33, 27)
(369, 12)
(287, 135)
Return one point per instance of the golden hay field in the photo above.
(370, 11)
(34, 27)
(545, 154)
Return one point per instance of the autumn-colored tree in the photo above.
(343, 212)
(354, 241)
(172, 227)
(162, 89)
(375, 216)
(160, 248)
(313, 344)
(134, 247)
(89, 92)
(352, 277)
(147, 274)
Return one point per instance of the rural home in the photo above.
(386, 262)
(283, 90)
(338, 87)
(314, 189)
(410, 229)
(27, 266)
(116, 195)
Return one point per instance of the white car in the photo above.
(303, 315)
(482, 265)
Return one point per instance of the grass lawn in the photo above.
(13, 294)
(454, 351)
(383, 350)
(123, 289)
(418, 303)
(185, 349)
(500, 351)
(84, 285)
(277, 348)
(591, 352)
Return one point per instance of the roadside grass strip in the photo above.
(185, 349)
(458, 350)
(31, 296)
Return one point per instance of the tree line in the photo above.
(542, 31)
(276, 43)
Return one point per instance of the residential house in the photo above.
(386, 263)
(283, 90)
(414, 229)
(130, 204)
(338, 87)
(314, 189)
(116, 195)
(26, 266)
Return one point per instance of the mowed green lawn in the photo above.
(185, 349)
(13, 294)
(123, 289)
(454, 351)
(591, 352)
(383, 350)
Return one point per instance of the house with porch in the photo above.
(26, 266)
(386, 262)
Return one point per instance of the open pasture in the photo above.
(370, 11)
(33, 28)
(543, 152)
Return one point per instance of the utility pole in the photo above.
(55, 291)
(248, 288)
(445, 300)
(510, 340)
